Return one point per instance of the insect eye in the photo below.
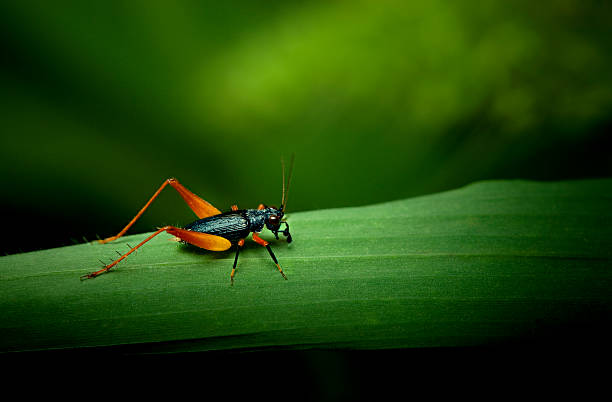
(273, 220)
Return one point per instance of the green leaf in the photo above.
(492, 262)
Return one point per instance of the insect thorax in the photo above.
(257, 219)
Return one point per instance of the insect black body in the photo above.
(237, 224)
(232, 225)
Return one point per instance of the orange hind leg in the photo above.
(200, 207)
(202, 240)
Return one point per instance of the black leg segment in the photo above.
(235, 264)
(275, 261)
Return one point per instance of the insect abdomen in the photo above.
(231, 225)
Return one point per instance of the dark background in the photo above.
(379, 100)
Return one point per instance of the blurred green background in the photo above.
(379, 100)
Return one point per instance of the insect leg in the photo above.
(202, 240)
(265, 244)
(238, 247)
(132, 249)
(200, 207)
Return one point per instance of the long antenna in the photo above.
(288, 182)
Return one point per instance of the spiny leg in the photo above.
(199, 206)
(202, 240)
(238, 247)
(264, 243)
(107, 267)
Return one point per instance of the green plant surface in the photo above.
(491, 262)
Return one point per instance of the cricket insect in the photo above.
(214, 230)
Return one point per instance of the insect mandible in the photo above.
(214, 230)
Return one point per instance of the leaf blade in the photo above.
(489, 262)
